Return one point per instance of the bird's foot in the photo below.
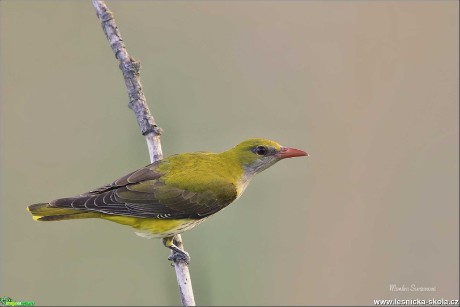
(178, 255)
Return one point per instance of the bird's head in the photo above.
(256, 155)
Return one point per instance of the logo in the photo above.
(8, 301)
(4, 300)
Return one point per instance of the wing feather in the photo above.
(144, 194)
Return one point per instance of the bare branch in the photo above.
(138, 104)
(130, 68)
(183, 278)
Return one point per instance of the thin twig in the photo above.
(138, 104)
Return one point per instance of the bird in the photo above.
(171, 195)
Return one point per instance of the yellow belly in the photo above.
(154, 228)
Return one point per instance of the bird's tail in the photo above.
(45, 212)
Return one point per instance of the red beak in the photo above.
(287, 152)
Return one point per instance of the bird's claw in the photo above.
(181, 256)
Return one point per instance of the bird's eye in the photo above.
(261, 150)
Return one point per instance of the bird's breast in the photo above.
(242, 185)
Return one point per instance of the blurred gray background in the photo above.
(368, 88)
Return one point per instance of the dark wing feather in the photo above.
(143, 194)
(148, 172)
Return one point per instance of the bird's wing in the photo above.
(144, 194)
(149, 172)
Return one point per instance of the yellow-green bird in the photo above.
(172, 195)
